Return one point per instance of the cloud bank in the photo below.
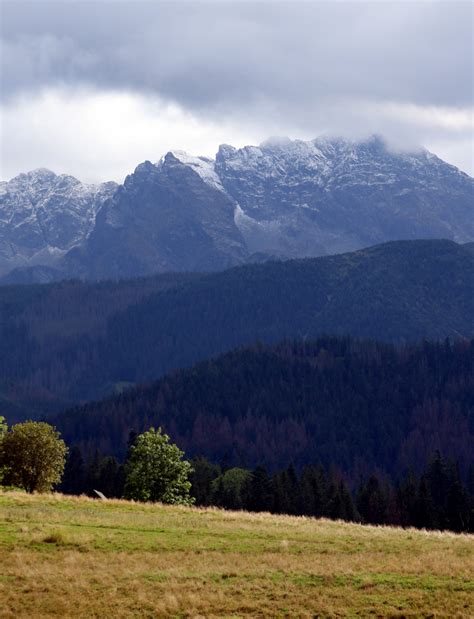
(95, 87)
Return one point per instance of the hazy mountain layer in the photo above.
(73, 341)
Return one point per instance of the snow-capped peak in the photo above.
(43, 214)
(203, 166)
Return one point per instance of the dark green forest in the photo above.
(70, 342)
(357, 405)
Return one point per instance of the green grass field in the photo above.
(67, 556)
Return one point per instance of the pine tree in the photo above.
(74, 478)
(425, 516)
(108, 477)
(260, 491)
(92, 473)
(372, 502)
(201, 478)
(406, 496)
(312, 491)
(457, 509)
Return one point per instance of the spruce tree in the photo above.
(74, 478)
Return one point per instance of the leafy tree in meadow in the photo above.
(156, 471)
(34, 455)
(3, 427)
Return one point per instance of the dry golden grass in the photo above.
(72, 557)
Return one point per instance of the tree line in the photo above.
(34, 457)
(437, 498)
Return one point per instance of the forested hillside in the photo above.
(358, 405)
(46, 329)
(71, 342)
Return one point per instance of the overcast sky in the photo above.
(93, 88)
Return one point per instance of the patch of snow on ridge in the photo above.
(202, 166)
(245, 222)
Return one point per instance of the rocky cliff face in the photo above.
(283, 198)
(169, 216)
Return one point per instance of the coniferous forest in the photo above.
(360, 405)
(335, 427)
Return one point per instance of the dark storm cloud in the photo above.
(299, 56)
(135, 78)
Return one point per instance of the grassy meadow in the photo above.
(67, 556)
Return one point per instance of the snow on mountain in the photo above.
(331, 194)
(288, 198)
(43, 215)
(203, 166)
(169, 216)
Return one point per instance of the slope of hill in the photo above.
(73, 341)
(57, 555)
(357, 405)
(283, 198)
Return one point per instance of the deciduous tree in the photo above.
(34, 455)
(156, 470)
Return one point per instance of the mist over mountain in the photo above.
(283, 198)
(334, 195)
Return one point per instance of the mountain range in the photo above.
(284, 198)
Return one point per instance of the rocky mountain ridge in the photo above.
(184, 213)
(43, 215)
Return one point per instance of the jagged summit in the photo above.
(286, 198)
(204, 167)
(43, 215)
(38, 173)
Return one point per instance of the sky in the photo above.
(92, 88)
